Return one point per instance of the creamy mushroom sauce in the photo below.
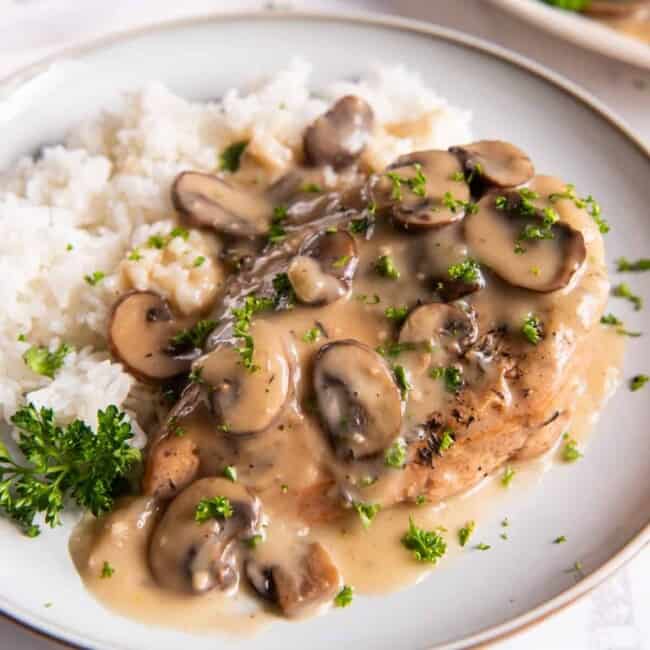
(284, 422)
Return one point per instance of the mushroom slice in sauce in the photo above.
(438, 328)
(139, 331)
(420, 191)
(207, 201)
(358, 400)
(323, 269)
(339, 137)
(193, 557)
(542, 265)
(496, 162)
(300, 584)
(246, 401)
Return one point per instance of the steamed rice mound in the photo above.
(80, 209)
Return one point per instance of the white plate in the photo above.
(580, 30)
(601, 503)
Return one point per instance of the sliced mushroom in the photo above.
(358, 400)
(339, 137)
(439, 330)
(495, 162)
(323, 269)
(139, 332)
(298, 585)
(192, 557)
(246, 401)
(207, 201)
(421, 190)
(172, 464)
(542, 265)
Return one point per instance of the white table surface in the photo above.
(616, 616)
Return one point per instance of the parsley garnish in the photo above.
(195, 336)
(482, 547)
(359, 226)
(395, 455)
(312, 335)
(452, 376)
(623, 264)
(570, 451)
(397, 314)
(610, 319)
(467, 271)
(420, 500)
(368, 300)
(507, 477)
(94, 278)
(417, 184)
(446, 441)
(46, 363)
(559, 540)
(623, 291)
(340, 262)
(395, 349)
(156, 241)
(589, 203)
(252, 542)
(107, 571)
(213, 508)
(60, 462)
(241, 327)
(230, 158)
(386, 267)
(401, 379)
(198, 261)
(638, 381)
(277, 233)
(454, 204)
(284, 294)
(466, 532)
(230, 472)
(344, 597)
(367, 512)
(532, 329)
(311, 188)
(134, 255)
(427, 545)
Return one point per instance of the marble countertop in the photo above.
(616, 616)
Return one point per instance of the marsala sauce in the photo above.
(296, 452)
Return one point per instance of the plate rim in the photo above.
(618, 47)
(14, 81)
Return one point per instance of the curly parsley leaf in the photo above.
(46, 363)
(344, 597)
(367, 512)
(213, 508)
(194, 337)
(63, 462)
(427, 545)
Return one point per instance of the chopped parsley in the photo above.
(638, 381)
(569, 5)
(183, 233)
(213, 508)
(623, 264)
(198, 261)
(230, 472)
(395, 455)
(610, 319)
(467, 271)
(507, 477)
(532, 329)
(94, 278)
(43, 362)
(466, 532)
(193, 337)
(156, 241)
(589, 203)
(254, 541)
(417, 184)
(284, 488)
(446, 441)
(340, 262)
(559, 540)
(312, 335)
(482, 547)
(196, 375)
(241, 328)
(344, 597)
(284, 294)
(277, 233)
(451, 375)
(69, 247)
(385, 266)
(311, 188)
(401, 379)
(367, 512)
(623, 291)
(394, 349)
(134, 256)
(62, 463)
(454, 204)
(570, 451)
(107, 571)
(397, 314)
(359, 226)
(426, 545)
(420, 500)
(230, 158)
(368, 300)
(458, 176)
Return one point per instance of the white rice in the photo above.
(82, 207)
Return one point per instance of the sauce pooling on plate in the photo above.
(383, 342)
